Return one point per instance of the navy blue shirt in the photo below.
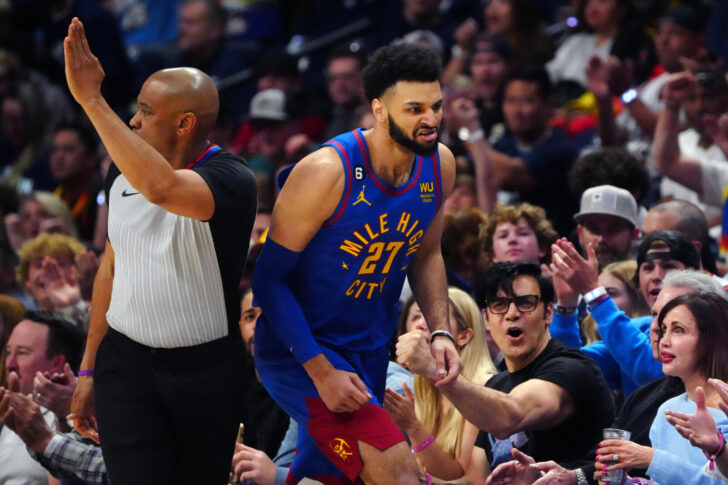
(549, 162)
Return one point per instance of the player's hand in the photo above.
(414, 353)
(83, 409)
(254, 465)
(447, 361)
(84, 73)
(342, 391)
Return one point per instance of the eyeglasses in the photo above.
(524, 303)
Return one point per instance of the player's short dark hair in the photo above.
(610, 166)
(86, 137)
(532, 72)
(501, 276)
(63, 337)
(400, 62)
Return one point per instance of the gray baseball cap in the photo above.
(269, 104)
(609, 200)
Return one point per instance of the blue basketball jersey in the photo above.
(350, 276)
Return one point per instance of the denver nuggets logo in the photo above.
(427, 191)
(360, 197)
(340, 447)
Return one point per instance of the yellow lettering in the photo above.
(371, 289)
(352, 287)
(414, 238)
(412, 249)
(403, 221)
(381, 285)
(351, 248)
(412, 228)
(361, 287)
(359, 237)
(383, 223)
(427, 187)
(369, 231)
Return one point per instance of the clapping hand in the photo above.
(698, 428)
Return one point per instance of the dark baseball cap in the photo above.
(686, 16)
(678, 247)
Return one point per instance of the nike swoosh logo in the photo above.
(127, 194)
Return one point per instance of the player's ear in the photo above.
(379, 110)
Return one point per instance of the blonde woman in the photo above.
(441, 439)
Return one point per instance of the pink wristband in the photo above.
(428, 441)
(718, 451)
(85, 372)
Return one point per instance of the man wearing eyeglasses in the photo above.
(551, 401)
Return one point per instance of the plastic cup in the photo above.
(614, 476)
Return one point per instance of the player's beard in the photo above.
(410, 143)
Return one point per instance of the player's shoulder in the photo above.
(322, 165)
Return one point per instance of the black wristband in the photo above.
(442, 333)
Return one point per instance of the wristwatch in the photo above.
(467, 136)
(594, 295)
(581, 477)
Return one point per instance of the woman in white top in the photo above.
(600, 21)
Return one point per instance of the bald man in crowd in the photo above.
(165, 307)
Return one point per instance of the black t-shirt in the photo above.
(569, 441)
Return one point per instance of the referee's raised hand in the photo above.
(84, 73)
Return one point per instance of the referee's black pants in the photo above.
(168, 416)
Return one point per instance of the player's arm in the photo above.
(182, 192)
(82, 405)
(309, 197)
(427, 278)
(535, 404)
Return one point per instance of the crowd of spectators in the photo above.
(591, 141)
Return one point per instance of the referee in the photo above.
(164, 354)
